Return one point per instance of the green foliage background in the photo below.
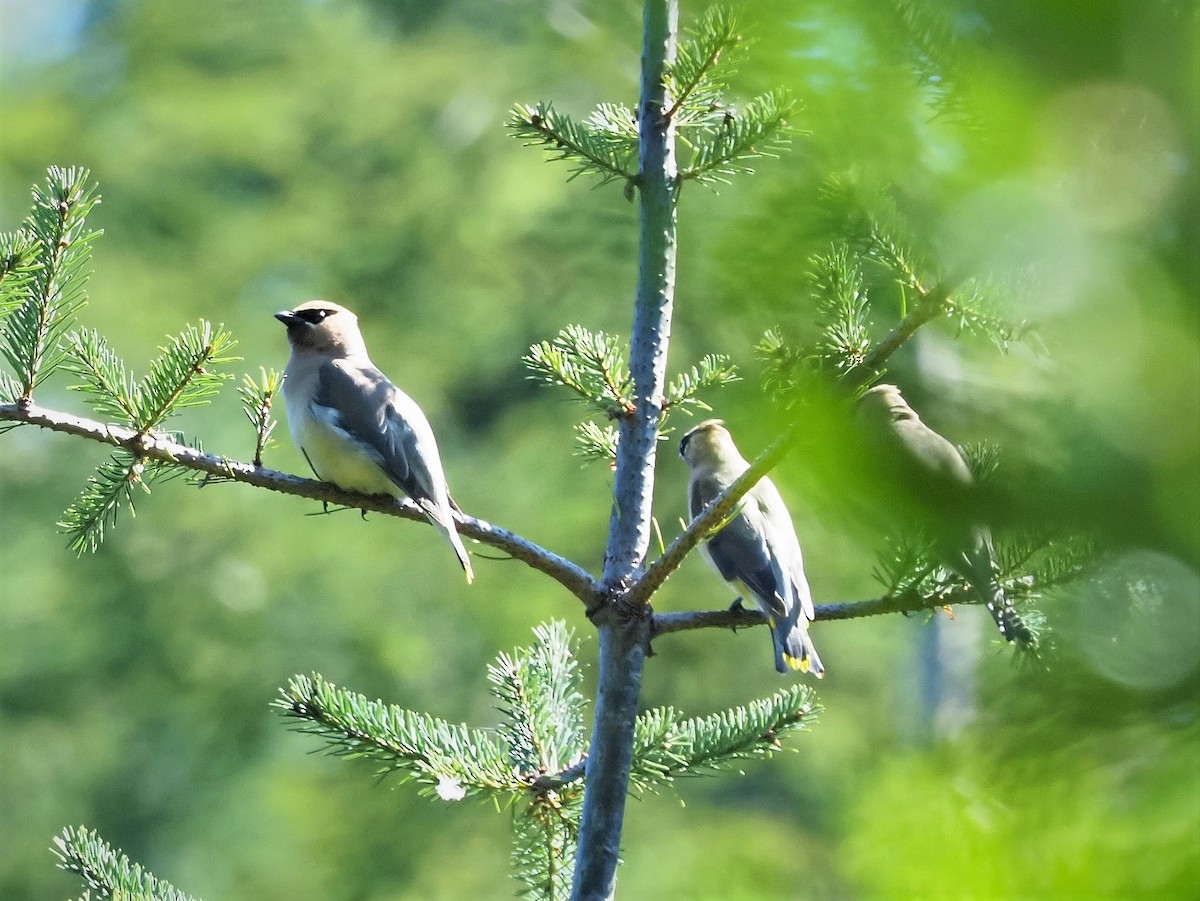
(254, 155)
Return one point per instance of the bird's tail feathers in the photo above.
(445, 522)
(981, 573)
(796, 651)
(1008, 620)
(464, 559)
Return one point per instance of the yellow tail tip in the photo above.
(803, 665)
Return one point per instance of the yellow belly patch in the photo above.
(339, 460)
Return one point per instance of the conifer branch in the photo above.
(182, 376)
(930, 304)
(702, 66)
(976, 310)
(841, 310)
(604, 146)
(590, 364)
(439, 754)
(933, 45)
(740, 617)
(163, 449)
(107, 871)
(108, 387)
(18, 265)
(106, 492)
(908, 599)
(726, 149)
(742, 733)
(538, 691)
(713, 371)
(257, 401)
(597, 442)
(545, 832)
(55, 291)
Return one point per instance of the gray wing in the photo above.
(740, 551)
(389, 425)
(936, 457)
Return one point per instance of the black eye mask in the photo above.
(314, 316)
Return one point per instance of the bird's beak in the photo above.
(287, 317)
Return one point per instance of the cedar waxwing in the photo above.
(355, 428)
(756, 551)
(930, 471)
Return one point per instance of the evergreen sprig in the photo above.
(873, 247)
(843, 340)
(704, 62)
(713, 371)
(110, 388)
(668, 747)
(258, 398)
(107, 871)
(535, 761)
(18, 265)
(449, 760)
(933, 44)
(538, 691)
(717, 741)
(1028, 565)
(10, 391)
(184, 375)
(904, 566)
(721, 140)
(54, 294)
(596, 442)
(660, 748)
(727, 146)
(977, 308)
(545, 833)
(590, 364)
(787, 367)
(107, 492)
(982, 458)
(842, 310)
(604, 145)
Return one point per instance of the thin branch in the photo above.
(554, 781)
(735, 618)
(930, 304)
(720, 507)
(158, 447)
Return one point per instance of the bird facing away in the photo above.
(930, 471)
(756, 550)
(355, 428)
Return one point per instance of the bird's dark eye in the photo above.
(315, 316)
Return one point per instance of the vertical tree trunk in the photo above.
(624, 632)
